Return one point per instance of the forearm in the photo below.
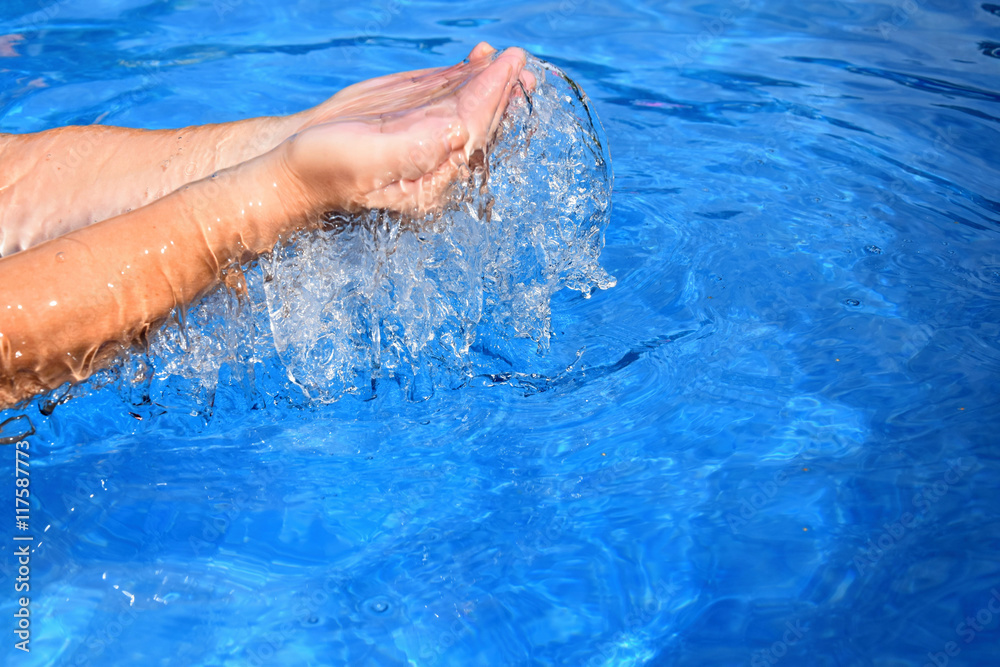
(69, 304)
(54, 182)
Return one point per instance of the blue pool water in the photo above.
(772, 442)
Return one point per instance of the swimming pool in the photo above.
(776, 444)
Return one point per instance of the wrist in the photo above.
(241, 212)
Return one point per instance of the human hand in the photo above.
(400, 141)
(393, 92)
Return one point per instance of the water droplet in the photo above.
(873, 250)
(60, 257)
(852, 302)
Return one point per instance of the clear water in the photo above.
(773, 442)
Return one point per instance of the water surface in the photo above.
(773, 441)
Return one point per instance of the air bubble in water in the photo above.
(377, 606)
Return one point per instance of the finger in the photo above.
(436, 76)
(528, 82)
(474, 62)
(524, 87)
(481, 50)
(402, 91)
(443, 82)
(518, 59)
(406, 89)
(387, 81)
(483, 100)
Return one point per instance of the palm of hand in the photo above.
(398, 145)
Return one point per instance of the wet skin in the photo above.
(109, 249)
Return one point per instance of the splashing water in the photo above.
(429, 304)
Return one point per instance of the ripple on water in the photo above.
(984, 281)
(378, 607)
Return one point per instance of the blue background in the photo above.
(778, 447)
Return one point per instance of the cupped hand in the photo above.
(399, 146)
(395, 92)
